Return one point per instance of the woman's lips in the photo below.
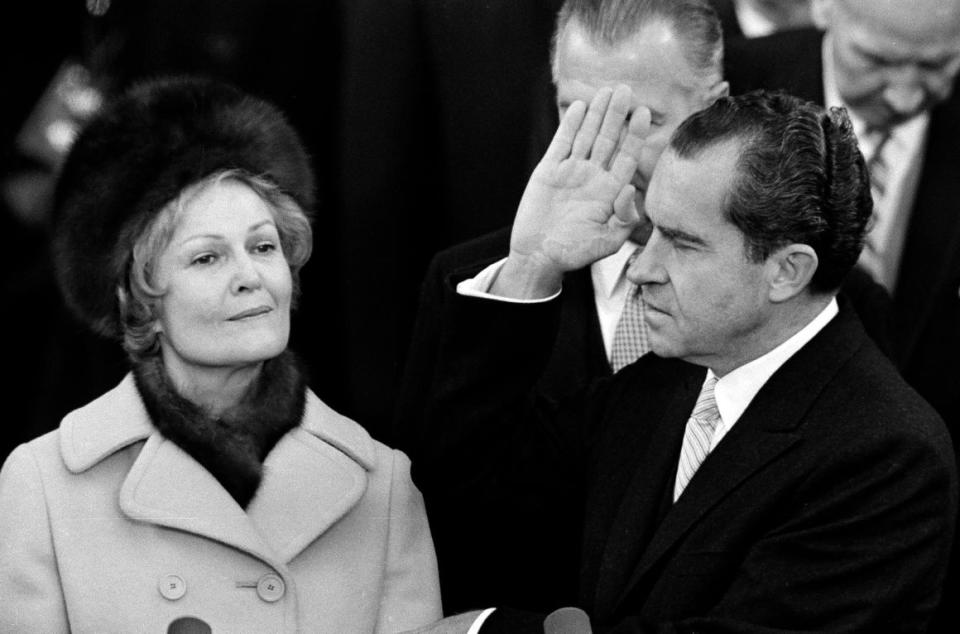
(252, 312)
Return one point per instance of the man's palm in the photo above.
(578, 205)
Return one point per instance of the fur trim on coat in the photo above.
(231, 447)
(137, 155)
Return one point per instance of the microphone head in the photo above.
(567, 621)
(188, 625)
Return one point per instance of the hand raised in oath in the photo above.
(578, 206)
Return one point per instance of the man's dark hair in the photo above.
(611, 22)
(800, 177)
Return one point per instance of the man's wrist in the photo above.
(527, 277)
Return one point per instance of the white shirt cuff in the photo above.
(478, 623)
(479, 286)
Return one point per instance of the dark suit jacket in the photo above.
(926, 304)
(473, 550)
(828, 507)
(472, 575)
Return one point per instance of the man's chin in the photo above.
(881, 116)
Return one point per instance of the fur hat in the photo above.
(136, 156)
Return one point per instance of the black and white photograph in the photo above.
(480, 316)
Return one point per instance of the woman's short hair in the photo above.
(140, 299)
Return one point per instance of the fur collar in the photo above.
(233, 446)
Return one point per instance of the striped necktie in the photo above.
(879, 172)
(877, 166)
(872, 258)
(630, 340)
(698, 435)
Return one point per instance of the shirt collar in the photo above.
(737, 388)
(608, 272)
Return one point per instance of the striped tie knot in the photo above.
(706, 408)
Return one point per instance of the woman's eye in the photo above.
(265, 247)
(204, 259)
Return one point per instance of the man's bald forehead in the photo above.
(610, 23)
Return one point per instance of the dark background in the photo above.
(418, 115)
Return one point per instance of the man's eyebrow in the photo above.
(679, 235)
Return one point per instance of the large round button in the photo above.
(270, 588)
(172, 587)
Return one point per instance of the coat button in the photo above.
(172, 587)
(270, 588)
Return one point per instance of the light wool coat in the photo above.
(106, 526)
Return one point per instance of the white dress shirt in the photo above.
(903, 155)
(736, 389)
(609, 289)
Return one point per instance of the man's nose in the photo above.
(646, 268)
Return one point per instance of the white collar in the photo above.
(737, 388)
(608, 272)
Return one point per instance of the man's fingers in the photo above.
(613, 123)
(590, 127)
(628, 155)
(559, 147)
(625, 212)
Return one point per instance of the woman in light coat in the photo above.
(211, 490)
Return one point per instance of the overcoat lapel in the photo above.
(764, 432)
(167, 487)
(313, 476)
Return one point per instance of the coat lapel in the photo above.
(315, 474)
(764, 432)
(312, 478)
(167, 487)
(744, 452)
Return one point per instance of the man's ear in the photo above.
(822, 13)
(790, 270)
(719, 89)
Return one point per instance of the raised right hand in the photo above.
(578, 206)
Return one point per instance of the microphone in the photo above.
(188, 625)
(567, 621)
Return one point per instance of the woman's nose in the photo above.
(246, 277)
